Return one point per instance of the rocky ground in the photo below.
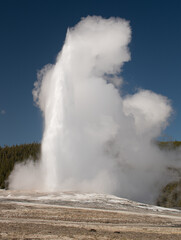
(83, 216)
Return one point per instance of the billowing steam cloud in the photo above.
(95, 139)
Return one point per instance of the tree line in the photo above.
(14, 154)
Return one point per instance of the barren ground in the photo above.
(30, 220)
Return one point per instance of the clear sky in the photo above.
(32, 33)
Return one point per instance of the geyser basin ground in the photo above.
(78, 199)
(73, 215)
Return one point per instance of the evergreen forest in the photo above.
(9, 156)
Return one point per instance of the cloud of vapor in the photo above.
(95, 139)
(150, 112)
(26, 175)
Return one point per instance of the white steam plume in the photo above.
(94, 139)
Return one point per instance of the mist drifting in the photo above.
(94, 138)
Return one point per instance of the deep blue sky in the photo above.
(32, 33)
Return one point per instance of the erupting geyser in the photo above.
(95, 139)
